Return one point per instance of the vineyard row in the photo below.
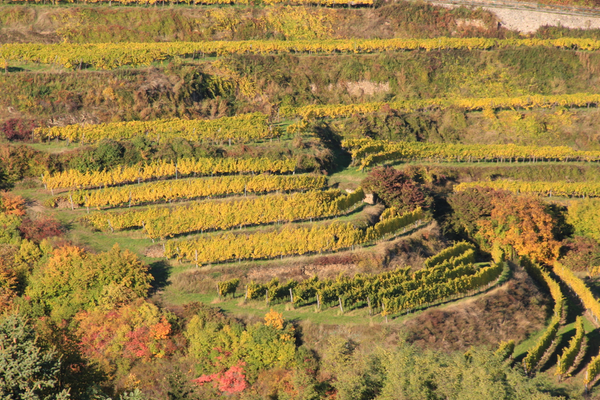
(254, 127)
(163, 222)
(367, 152)
(566, 189)
(288, 241)
(203, 166)
(188, 189)
(390, 292)
(205, 2)
(545, 344)
(590, 303)
(465, 103)
(240, 129)
(114, 55)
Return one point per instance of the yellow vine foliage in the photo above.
(486, 104)
(557, 188)
(240, 129)
(161, 222)
(287, 241)
(589, 301)
(170, 190)
(114, 55)
(165, 169)
(442, 284)
(210, 2)
(367, 152)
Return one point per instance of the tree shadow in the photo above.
(160, 271)
(341, 159)
(14, 69)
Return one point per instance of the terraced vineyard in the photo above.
(167, 222)
(397, 176)
(170, 190)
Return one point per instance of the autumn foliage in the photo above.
(41, 228)
(274, 319)
(468, 207)
(18, 129)
(74, 280)
(117, 337)
(522, 222)
(12, 204)
(395, 188)
(8, 282)
(231, 381)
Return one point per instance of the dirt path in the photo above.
(528, 17)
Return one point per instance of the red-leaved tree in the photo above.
(230, 381)
(41, 228)
(395, 189)
(16, 129)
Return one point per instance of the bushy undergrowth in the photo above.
(246, 83)
(118, 24)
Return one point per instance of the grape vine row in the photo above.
(240, 129)
(367, 152)
(163, 222)
(567, 359)
(167, 191)
(381, 291)
(467, 104)
(213, 2)
(165, 169)
(566, 189)
(287, 241)
(448, 253)
(114, 55)
(535, 354)
(433, 292)
(583, 292)
(589, 301)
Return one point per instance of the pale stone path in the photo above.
(528, 17)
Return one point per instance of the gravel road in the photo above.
(521, 16)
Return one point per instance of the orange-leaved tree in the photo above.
(522, 222)
(8, 283)
(12, 204)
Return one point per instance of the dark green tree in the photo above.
(468, 207)
(108, 153)
(27, 370)
(180, 387)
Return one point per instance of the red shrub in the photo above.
(396, 189)
(42, 228)
(18, 130)
(231, 381)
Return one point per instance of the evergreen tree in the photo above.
(27, 371)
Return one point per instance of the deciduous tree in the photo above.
(396, 189)
(524, 223)
(73, 280)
